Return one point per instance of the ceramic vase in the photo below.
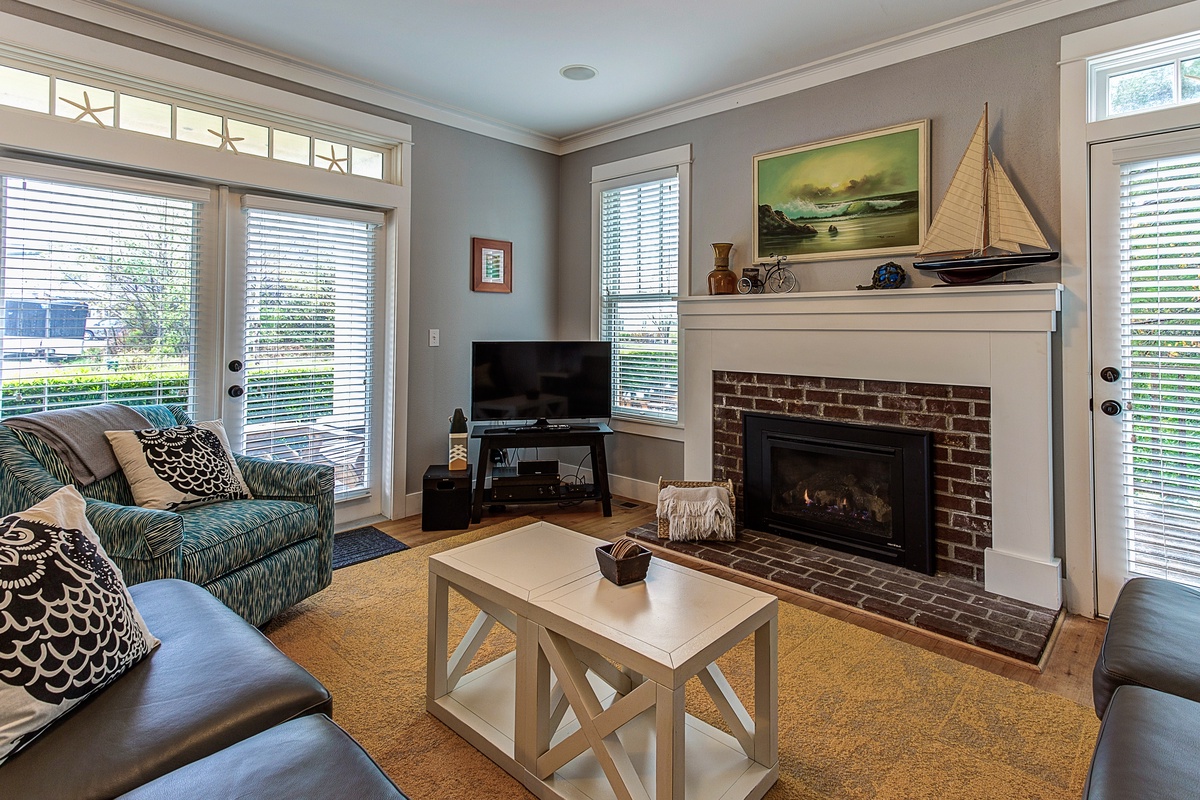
(722, 280)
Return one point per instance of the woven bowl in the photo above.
(624, 570)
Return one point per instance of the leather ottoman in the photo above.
(309, 757)
(1146, 749)
(1153, 639)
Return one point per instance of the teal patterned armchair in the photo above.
(257, 556)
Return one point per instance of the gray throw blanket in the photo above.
(696, 513)
(77, 436)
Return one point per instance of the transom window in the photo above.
(1146, 78)
(152, 111)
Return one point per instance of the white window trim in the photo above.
(606, 176)
(25, 133)
(1161, 52)
(1076, 135)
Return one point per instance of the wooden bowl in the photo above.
(624, 570)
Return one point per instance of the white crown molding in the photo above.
(148, 25)
(1003, 18)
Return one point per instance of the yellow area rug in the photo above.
(860, 715)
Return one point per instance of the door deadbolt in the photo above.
(1111, 407)
(236, 391)
(1110, 374)
(235, 366)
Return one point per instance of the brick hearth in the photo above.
(958, 417)
(954, 607)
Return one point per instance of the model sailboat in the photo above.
(978, 231)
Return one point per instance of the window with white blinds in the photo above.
(1160, 316)
(309, 340)
(639, 284)
(99, 291)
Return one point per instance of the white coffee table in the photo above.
(558, 716)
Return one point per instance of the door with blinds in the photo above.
(303, 374)
(1145, 275)
(113, 292)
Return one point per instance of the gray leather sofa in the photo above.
(1146, 685)
(214, 683)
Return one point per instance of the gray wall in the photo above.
(467, 185)
(1016, 73)
(463, 185)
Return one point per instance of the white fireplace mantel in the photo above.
(994, 336)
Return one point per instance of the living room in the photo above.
(448, 175)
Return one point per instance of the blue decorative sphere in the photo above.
(888, 276)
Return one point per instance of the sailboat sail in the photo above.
(1011, 223)
(958, 226)
(958, 223)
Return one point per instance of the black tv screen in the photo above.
(540, 380)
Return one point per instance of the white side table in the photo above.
(557, 714)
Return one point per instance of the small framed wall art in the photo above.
(491, 265)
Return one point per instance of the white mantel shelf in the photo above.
(1013, 307)
(994, 336)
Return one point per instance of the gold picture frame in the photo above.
(860, 196)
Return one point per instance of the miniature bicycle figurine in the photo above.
(778, 279)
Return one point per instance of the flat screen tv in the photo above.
(540, 381)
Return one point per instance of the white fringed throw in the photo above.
(696, 513)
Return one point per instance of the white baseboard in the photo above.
(1028, 579)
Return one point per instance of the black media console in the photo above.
(492, 437)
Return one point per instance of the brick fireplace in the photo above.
(970, 364)
(958, 417)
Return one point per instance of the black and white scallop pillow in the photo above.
(176, 468)
(68, 626)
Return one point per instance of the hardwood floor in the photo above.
(1067, 671)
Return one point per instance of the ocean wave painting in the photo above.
(854, 197)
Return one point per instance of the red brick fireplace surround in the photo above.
(958, 416)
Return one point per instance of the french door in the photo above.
(113, 291)
(302, 370)
(1145, 284)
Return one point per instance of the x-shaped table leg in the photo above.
(597, 726)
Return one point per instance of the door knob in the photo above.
(1111, 407)
(236, 391)
(1110, 374)
(236, 366)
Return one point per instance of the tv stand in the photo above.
(516, 438)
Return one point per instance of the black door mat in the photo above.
(363, 544)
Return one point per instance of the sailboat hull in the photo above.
(972, 269)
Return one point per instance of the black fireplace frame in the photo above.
(911, 458)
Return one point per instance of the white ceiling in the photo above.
(499, 60)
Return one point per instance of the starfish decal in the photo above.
(86, 110)
(334, 161)
(226, 140)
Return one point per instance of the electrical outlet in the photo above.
(435, 337)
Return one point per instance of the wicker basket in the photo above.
(664, 525)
